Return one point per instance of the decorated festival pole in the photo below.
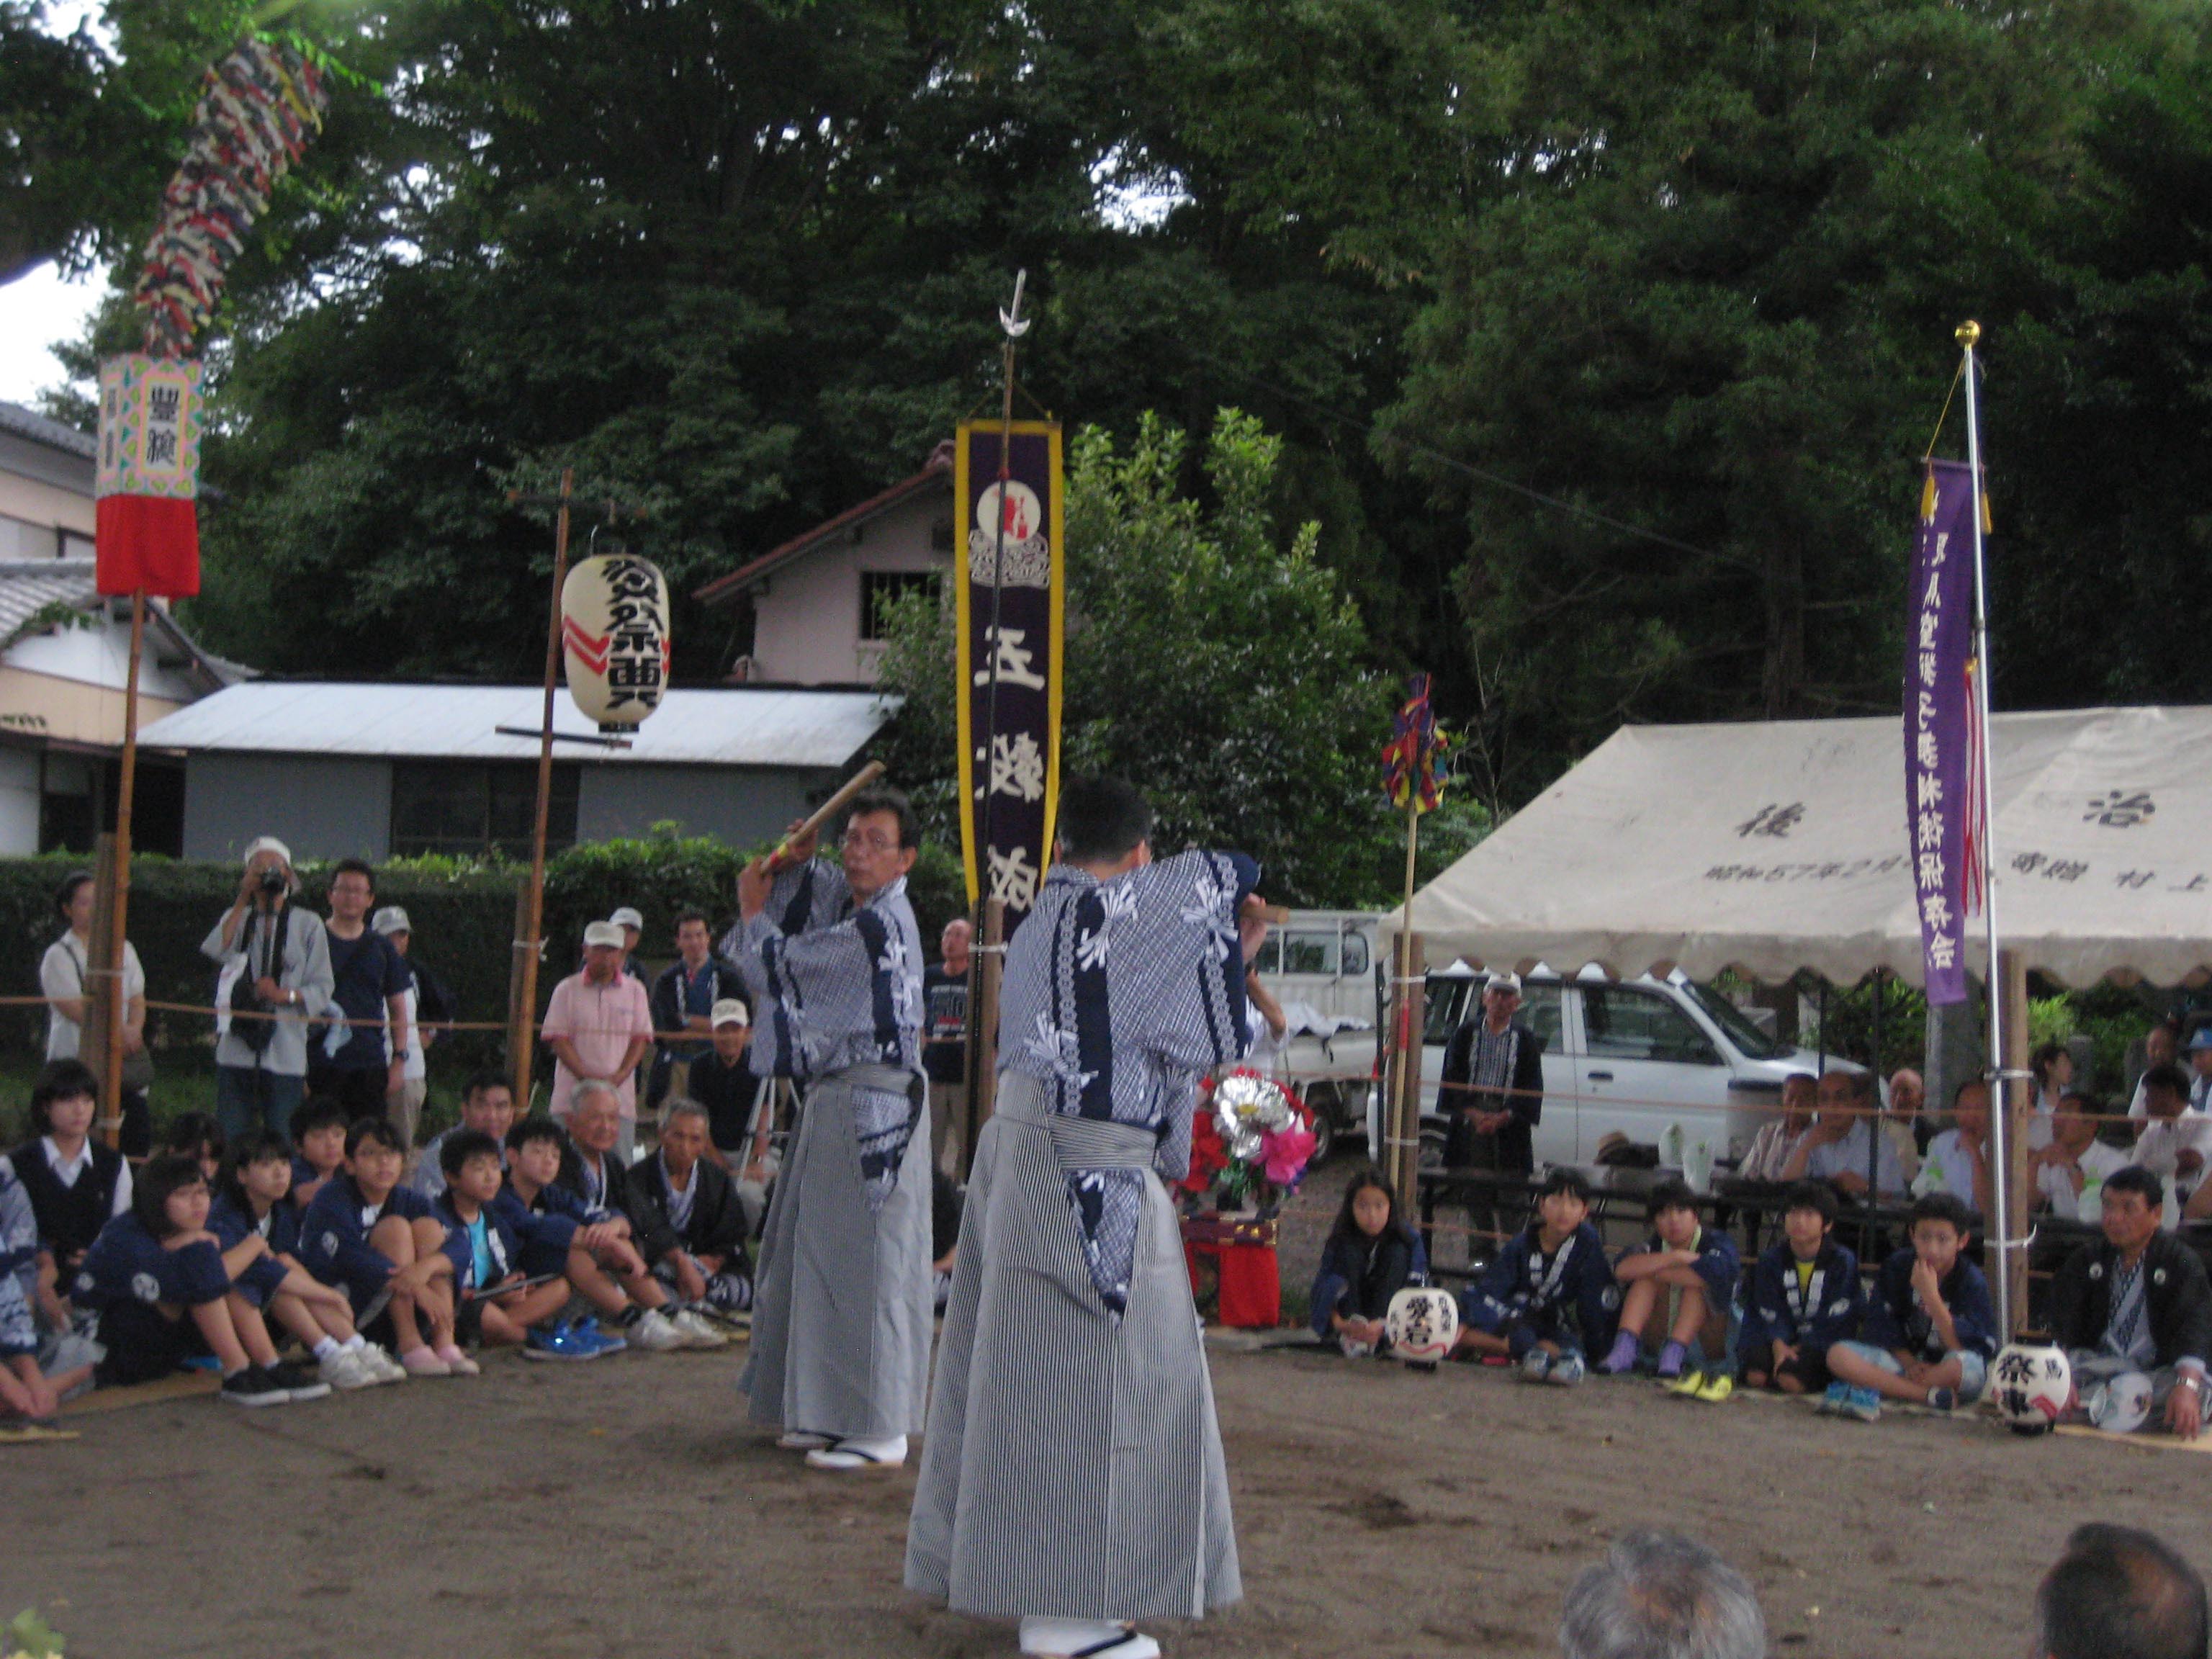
(2008, 1106)
(1410, 779)
(522, 1012)
(111, 985)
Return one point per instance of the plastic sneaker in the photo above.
(655, 1333)
(1718, 1387)
(421, 1362)
(1831, 1403)
(564, 1342)
(458, 1364)
(609, 1341)
(1535, 1366)
(697, 1331)
(1864, 1404)
(346, 1371)
(381, 1364)
(1942, 1400)
(254, 1387)
(1566, 1370)
(298, 1383)
(1686, 1383)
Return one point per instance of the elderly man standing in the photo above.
(1493, 1095)
(276, 971)
(599, 1026)
(842, 1315)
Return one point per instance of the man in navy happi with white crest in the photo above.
(1072, 1476)
(842, 1315)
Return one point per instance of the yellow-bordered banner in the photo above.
(1009, 536)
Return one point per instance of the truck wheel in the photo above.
(1322, 1101)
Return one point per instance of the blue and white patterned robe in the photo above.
(1118, 997)
(19, 1267)
(836, 985)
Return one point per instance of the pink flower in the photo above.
(1283, 1153)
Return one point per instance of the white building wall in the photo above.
(19, 802)
(320, 807)
(806, 617)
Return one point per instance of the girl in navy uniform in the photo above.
(378, 1242)
(259, 1231)
(1700, 1264)
(75, 1186)
(1549, 1299)
(157, 1278)
(1371, 1254)
(497, 1303)
(1805, 1298)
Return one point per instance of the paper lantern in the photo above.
(1423, 1325)
(614, 638)
(147, 527)
(2031, 1383)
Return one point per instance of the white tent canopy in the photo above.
(1774, 847)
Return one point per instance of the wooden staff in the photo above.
(828, 810)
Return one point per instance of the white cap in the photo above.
(628, 917)
(602, 933)
(1503, 982)
(729, 1011)
(261, 844)
(390, 920)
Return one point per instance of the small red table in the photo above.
(1243, 1251)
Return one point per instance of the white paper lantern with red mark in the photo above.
(614, 638)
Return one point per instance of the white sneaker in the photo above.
(1093, 1638)
(698, 1332)
(346, 1371)
(655, 1333)
(379, 1363)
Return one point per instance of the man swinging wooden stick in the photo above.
(842, 1315)
(1072, 1476)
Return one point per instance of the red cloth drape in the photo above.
(149, 541)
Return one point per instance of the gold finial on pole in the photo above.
(1969, 334)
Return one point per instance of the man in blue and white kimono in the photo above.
(843, 1310)
(1072, 1476)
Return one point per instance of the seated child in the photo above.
(1697, 1262)
(76, 1185)
(156, 1276)
(1805, 1298)
(1930, 1331)
(378, 1242)
(36, 1374)
(596, 1257)
(695, 1230)
(1371, 1254)
(259, 1232)
(499, 1303)
(1549, 1298)
(198, 1136)
(319, 1131)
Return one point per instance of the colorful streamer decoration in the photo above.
(1411, 761)
(257, 109)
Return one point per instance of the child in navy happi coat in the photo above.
(377, 1241)
(1370, 1256)
(1931, 1331)
(1549, 1298)
(1805, 1298)
(1700, 1264)
(495, 1302)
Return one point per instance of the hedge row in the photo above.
(462, 914)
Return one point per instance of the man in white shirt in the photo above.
(2175, 1141)
(1847, 1143)
(2070, 1170)
(1958, 1158)
(2161, 1047)
(2200, 1068)
(1777, 1141)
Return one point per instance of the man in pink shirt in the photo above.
(599, 1025)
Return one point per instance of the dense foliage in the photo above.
(1687, 272)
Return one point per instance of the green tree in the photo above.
(1219, 665)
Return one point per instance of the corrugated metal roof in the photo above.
(745, 726)
(29, 423)
(29, 586)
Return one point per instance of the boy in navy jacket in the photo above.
(1699, 1265)
(487, 1246)
(379, 1243)
(1550, 1297)
(1929, 1331)
(1805, 1298)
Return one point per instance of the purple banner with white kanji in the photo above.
(1009, 584)
(1942, 756)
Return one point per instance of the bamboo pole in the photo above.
(107, 974)
(529, 940)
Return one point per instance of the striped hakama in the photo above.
(844, 1307)
(1072, 1465)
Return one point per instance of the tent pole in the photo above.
(2001, 1130)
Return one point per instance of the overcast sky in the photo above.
(35, 311)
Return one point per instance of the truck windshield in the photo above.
(1750, 1040)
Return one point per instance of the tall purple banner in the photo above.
(1011, 586)
(1942, 773)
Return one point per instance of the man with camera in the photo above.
(275, 977)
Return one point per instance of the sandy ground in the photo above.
(620, 1508)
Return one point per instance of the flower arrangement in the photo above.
(1250, 1142)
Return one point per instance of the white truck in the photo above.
(1320, 966)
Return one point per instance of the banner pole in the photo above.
(2001, 1126)
(111, 987)
(529, 939)
(1011, 321)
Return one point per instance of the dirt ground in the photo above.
(620, 1508)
